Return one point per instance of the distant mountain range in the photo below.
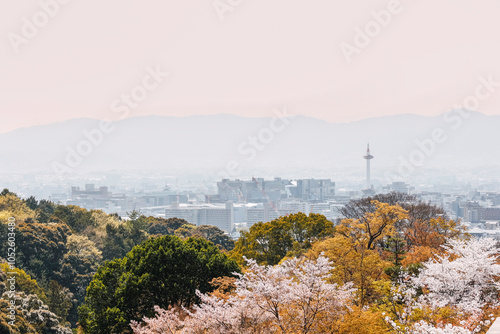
(461, 138)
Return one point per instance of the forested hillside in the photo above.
(58, 249)
(393, 264)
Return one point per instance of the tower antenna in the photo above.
(368, 157)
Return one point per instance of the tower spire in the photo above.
(368, 157)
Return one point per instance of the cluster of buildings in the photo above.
(481, 213)
(232, 217)
(235, 204)
(242, 203)
(102, 198)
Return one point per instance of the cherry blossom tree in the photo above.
(465, 277)
(463, 280)
(34, 311)
(292, 297)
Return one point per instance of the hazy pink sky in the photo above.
(265, 54)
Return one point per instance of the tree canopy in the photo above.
(269, 243)
(61, 247)
(162, 271)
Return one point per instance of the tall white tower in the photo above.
(368, 157)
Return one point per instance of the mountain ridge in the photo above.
(211, 141)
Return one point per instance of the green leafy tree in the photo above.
(395, 246)
(185, 231)
(6, 192)
(162, 271)
(41, 248)
(215, 235)
(79, 264)
(134, 214)
(165, 226)
(78, 267)
(31, 202)
(59, 300)
(268, 243)
(76, 218)
(44, 211)
(122, 238)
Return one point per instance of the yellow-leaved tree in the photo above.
(353, 249)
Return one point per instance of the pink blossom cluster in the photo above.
(292, 297)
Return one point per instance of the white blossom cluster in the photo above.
(464, 278)
(38, 314)
(422, 327)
